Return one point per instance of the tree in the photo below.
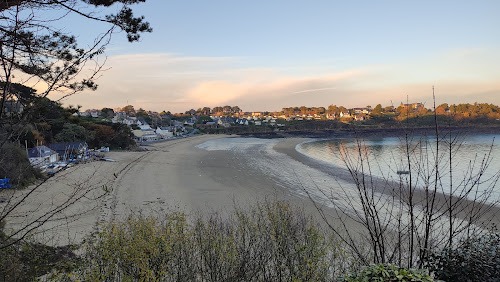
(333, 109)
(235, 109)
(377, 111)
(205, 111)
(217, 109)
(129, 110)
(107, 112)
(226, 109)
(72, 133)
(35, 51)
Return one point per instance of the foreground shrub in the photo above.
(388, 272)
(475, 259)
(25, 261)
(271, 242)
(16, 166)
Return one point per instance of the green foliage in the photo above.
(24, 261)
(270, 242)
(377, 111)
(204, 119)
(387, 272)
(476, 259)
(73, 132)
(14, 164)
(107, 112)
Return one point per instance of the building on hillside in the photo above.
(177, 123)
(361, 111)
(164, 132)
(190, 121)
(359, 117)
(145, 135)
(95, 113)
(84, 114)
(345, 115)
(415, 106)
(145, 127)
(225, 121)
(330, 116)
(241, 121)
(42, 155)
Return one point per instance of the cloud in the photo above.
(179, 83)
(315, 90)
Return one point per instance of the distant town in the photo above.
(151, 125)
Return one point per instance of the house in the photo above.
(164, 132)
(145, 135)
(190, 121)
(145, 127)
(177, 123)
(225, 121)
(71, 150)
(345, 114)
(415, 106)
(361, 111)
(95, 114)
(42, 155)
(241, 121)
(330, 116)
(84, 114)
(119, 117)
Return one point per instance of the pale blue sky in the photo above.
(265, 55)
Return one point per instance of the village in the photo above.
(150, 126)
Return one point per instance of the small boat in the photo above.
(402, 172)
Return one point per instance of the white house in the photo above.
(42, 155)
(164, 133)
(144, 127)
(345, 114)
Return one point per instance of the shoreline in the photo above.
(373, 132)
(490, 212)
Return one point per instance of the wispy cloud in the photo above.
(177, 83)
(314, 90)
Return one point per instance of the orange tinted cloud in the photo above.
(169, 82)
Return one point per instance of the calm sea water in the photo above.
(388, 155)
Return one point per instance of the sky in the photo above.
(265, 55)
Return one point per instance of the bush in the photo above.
(475, 259)
(14, 164)
(271, 242)
(387, 272)
(26, 261)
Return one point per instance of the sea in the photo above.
(472, 156)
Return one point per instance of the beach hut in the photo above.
(71, 150)
(42, 155)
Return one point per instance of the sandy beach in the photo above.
(201, 173)
(197, 174)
